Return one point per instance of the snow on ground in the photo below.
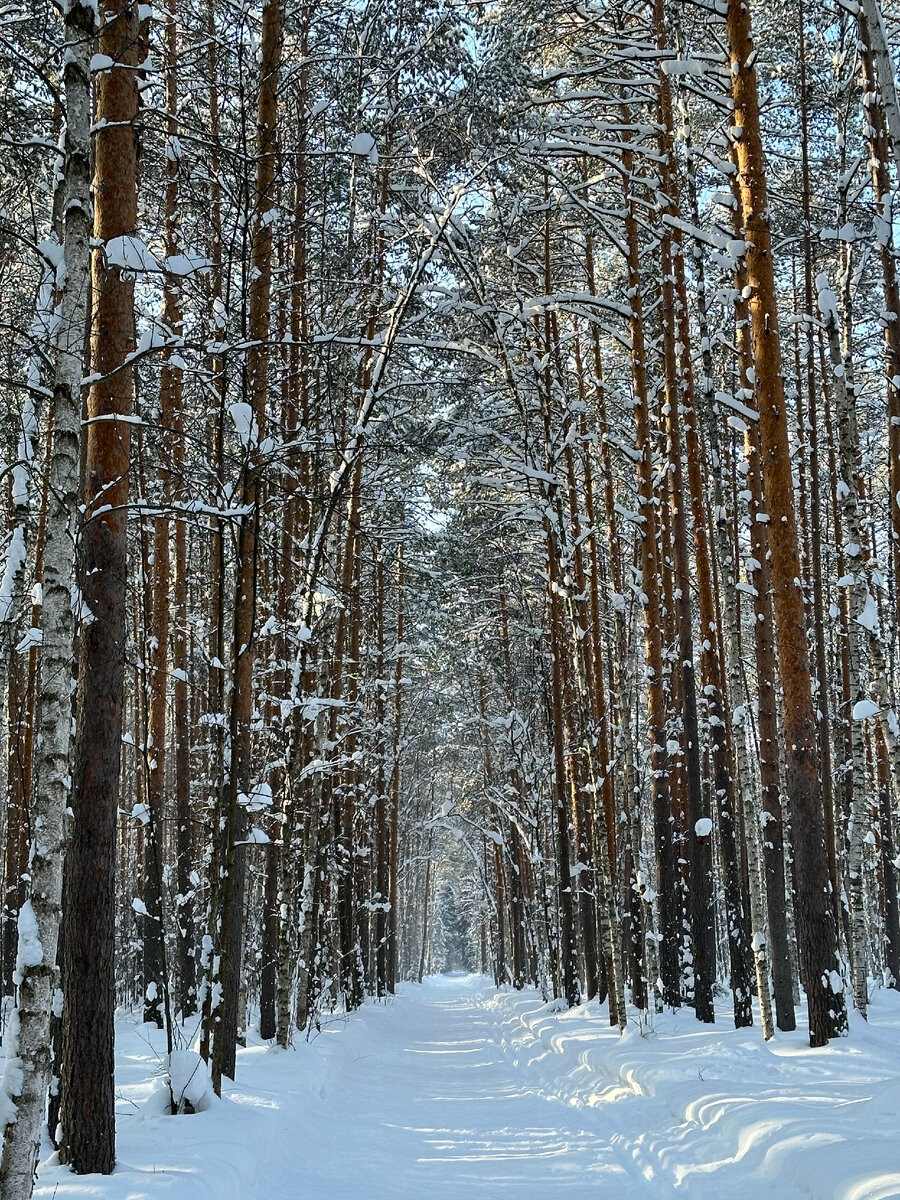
(455, 1090)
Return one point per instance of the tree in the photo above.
(39, 920)
(817, 934)
(87, 1111)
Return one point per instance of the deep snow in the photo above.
(455, 1090)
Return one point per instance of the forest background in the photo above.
(450, 517)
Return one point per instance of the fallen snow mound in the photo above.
(188, 1079)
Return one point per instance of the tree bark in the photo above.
(814, 916)
(87, 1111)
(28, 1038)
(669, 935)
(239, 775)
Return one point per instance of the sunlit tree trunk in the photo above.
(814, 915)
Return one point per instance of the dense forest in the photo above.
(450, 518)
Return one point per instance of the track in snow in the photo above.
(437, 1110)
(454, 1091)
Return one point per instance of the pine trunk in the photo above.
(87, 1110)
(814, 914)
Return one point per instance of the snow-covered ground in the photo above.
(454, 1090)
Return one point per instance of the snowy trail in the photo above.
(453, 1090)
(456, 1118)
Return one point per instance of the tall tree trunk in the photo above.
(859, 601)
(760, 573)
(808, 377)
(28, 1037)
(156, 976)
(239, 774)
(876, 38)
(393, 921)
(679, 408)
(879, 166)
(814, 914)
(87, 1110)
(888, 866)
(186, 994)
(650, 588)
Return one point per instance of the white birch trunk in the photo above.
(743, 786)
(28, 1063)
(860, 605)
(887, 84)
(296, 916)
(744, 791)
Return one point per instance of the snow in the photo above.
(15, 561)
(244, 422)
(362, 144)
(259, 799)
(730, 401)
(130, 254)
(868, 618)
(828, 303)
(186, 264)
(152, 338)
(703, 827)
(863, 709)
(256, 837)
(30, 952)
(12, 1069)
(188, 1078)
(31, 637)
(455, 1090)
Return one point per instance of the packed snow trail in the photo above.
(443, 1113)
(453, 1090)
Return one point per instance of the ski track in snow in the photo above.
(455, 1090)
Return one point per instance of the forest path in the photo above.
(434, 1108)
(453, 1090)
